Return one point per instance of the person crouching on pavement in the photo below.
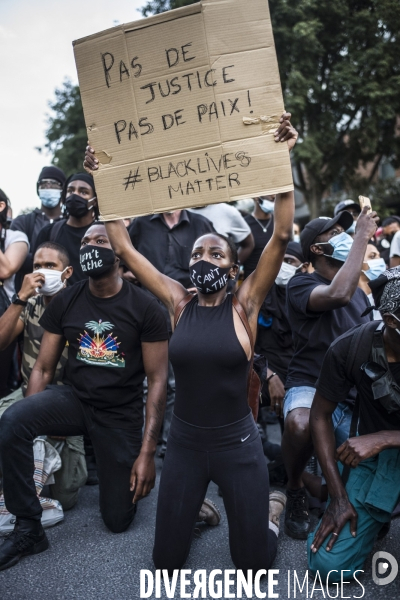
(363, 474)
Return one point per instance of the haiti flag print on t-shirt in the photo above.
(102, 348)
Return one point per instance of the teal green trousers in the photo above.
(373, 489)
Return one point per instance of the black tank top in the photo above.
(210, 366)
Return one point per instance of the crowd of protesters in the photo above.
(117, 338)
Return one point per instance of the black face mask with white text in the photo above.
(95, 260)
(207, 277)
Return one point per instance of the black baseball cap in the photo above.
(294, 249)
(52, 172)
(317, 226)
(344, 205)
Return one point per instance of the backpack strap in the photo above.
(360, 348)
(55, 230)
(243, 317)
(30, 225)
(360, 345)
(180, 308)
(2, 245)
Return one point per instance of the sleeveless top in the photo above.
(210, 366)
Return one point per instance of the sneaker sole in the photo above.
(37, 549)
(214, 508)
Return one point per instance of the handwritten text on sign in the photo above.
(164, 102)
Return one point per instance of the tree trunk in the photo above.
(313, 196)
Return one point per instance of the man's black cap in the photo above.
(345, 205)
(317, 226)
(390, 220)
(52, 172)
(294, 249)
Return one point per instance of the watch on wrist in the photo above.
(17, 300)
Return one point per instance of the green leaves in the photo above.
(66, 133)
(340, 75)
(99, 327)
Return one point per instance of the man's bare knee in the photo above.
(297, 423)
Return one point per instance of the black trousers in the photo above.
(6, 361)
(58, 411)
(232, 457)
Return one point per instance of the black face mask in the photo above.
(77, 206)
(207, 277)
(95, 261)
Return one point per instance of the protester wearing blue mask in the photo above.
(373, 267)
(321, 306)
(267, 205)
(48, 188)
(353, 208)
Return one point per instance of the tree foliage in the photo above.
(66, 132)
(154, 7)
(340, 72)
(341, 80)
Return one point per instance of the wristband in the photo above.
(17, 300)
(270, 377)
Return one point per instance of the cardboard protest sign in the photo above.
(181, 108)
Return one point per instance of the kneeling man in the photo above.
(363, 474)
(116, 334)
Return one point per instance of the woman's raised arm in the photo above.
(252, 292)
(169, 291)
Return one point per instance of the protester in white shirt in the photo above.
(228, 221)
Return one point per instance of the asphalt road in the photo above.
(87, 562)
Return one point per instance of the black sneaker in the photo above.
(27, 537)
(297, 518)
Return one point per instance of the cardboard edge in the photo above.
(164, 17)
(169, 15)
(274, 190)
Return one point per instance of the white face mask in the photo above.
(52, 281)
(296, 238)
(286, 273)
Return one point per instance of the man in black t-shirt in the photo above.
(367, 357)
(320, 306)
(261, 223)
(274, 335)
(116, 334)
